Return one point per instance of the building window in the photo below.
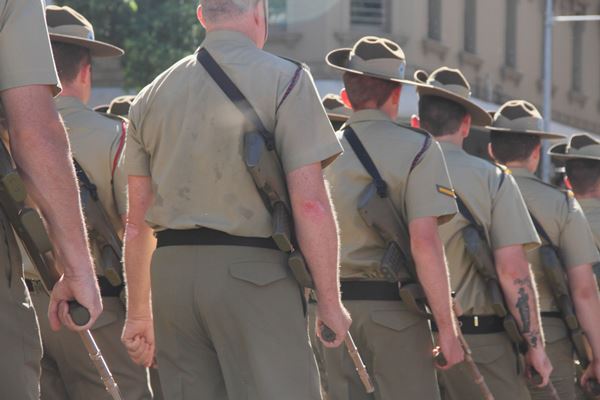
(278, 14)
(577, 58)
(470, 39)
(370, 13)
(434, 24)
(510, 41)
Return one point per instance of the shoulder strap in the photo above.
(540, 229)
(234, 94)
(465, 212)
(366, 161)
(84, 180)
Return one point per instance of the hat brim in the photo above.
(541, 134)
(97, 48)
(337, 117)
(479, 116)
(558, 152)
(102, 109)
(338, 59)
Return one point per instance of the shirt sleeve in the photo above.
(511, 224)
(25, 53)
(303, 133)
(576, 242)
(137, 160)
(429, 192)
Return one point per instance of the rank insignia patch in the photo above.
(446, 191)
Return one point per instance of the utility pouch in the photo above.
(300, 270)
(111, 265)
(14, 186)
(413, 296)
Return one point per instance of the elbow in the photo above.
(585, 293)
(510, 272)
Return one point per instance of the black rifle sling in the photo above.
(234, 94)
(85, 181)
(366, 161)
(540, 230)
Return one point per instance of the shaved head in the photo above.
(214, 10)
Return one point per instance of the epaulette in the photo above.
(300, 64)
(570, 197)
(504, 170)
(295, 79)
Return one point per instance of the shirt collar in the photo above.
(523, 173)
(64, 103)
(448, 147)
(368, 115)
(227, 36)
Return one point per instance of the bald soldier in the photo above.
(489, 201)
(96, 141)
(515, 141)
(394, 339)
(28, 82)
(227, 312)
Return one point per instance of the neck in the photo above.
(236, 26)
(528, 165)
(594, 194)
(455, 138)
(74, 91)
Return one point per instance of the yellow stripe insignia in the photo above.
(446, 191)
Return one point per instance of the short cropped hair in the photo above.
(508, 146)
(362, 89)
(584, 175)
(213, 10)
(440, 116)
(69, 60)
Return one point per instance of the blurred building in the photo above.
(497, 44)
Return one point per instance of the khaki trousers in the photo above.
(68, 372)
(396, 346)
(230, 324)
(560, 352)
(498, 363)
(19, 331)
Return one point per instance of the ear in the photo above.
(491, 152)
(345, 98)
(415, 121)
(200, 16)
(396, 95)
(85, 73)
(465, 126)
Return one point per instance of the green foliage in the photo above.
(154, 33)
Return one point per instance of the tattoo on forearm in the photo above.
(524, 309)
(524, 282)
(534, 338)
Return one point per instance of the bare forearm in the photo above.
(433, 276)
(44, 162)
(139, 245)
(587, 305)
(316, 230)
(517, 282)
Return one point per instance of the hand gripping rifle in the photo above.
(397, 265)
(264, 166)
(28, 225)
(554, 271)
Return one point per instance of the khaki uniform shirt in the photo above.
(96, 143)
(563, 220)
(415, 194)
(187, 136)
(25, 54)
(494, 199)
(591, 209)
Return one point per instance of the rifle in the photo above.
(397, 265)
(28, 225)
(100, 230)
(555, 274)
(264, 166)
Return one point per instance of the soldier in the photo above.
(28, 82)
(96, 142)
(560, 222)
(394, 340)
(489, 200)
(228, 315)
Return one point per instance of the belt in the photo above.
(210, 237)
(370, 290)
(477, 325)
(551, 314)
(106, 288)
